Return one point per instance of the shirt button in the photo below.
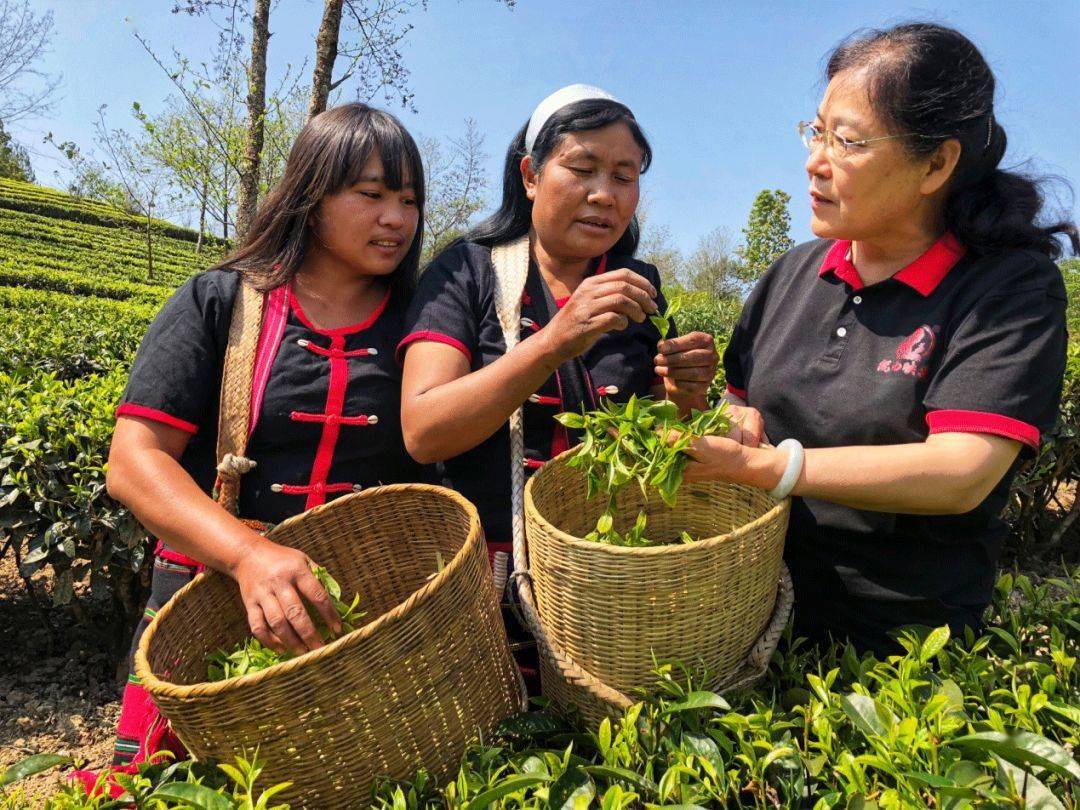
(857, 299)
(841, 332)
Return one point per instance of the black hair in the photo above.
(513, 219)
(328, 156)
(931, 81)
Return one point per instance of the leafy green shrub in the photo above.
(988, 721)
(1044, 509)
(959, 723)
(16, 274)
(48, 202)
(159, 785)
(54, 509)
(70, 336)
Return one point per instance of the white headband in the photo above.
(555, 102)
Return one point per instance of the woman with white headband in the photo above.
(567, 297)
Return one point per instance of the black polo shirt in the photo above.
(951, 343)
(454, 304)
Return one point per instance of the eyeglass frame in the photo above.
(847, 144)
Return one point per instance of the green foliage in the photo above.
(14, 159)
(957, 723)
(164, 785)
(54, 509)
(53, 204)
(767, 233)
(1043, 508)
(70, 336)
(1070, 271)
(629, 441)
(251, 656)
(988, 721)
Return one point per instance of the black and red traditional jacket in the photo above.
(327, 403)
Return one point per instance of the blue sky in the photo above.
(717, 86)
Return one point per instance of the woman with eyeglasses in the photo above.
(915, 350)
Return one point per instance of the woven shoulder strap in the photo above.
(234, 412)
(511, 263)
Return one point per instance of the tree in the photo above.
(656, 247)
(88, 178)
(25, 90)
(713, 267)
(256, 112)
(141, 179)
(767, 233)
(14, 161)
(454, 187)
(368, 46)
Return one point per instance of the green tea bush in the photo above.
(19, 274)
(1044, 509)
(54, 510)
(983, 721)
(70, 336)
(19, 196)
(974, 722)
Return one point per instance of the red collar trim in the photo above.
(923, 275)
(341, 330)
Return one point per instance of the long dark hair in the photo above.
(514, 217)
(932, 81)
(328, 156)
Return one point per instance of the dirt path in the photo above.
(58, 692)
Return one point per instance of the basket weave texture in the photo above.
(428, 673)
(616, 611)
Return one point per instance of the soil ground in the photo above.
(59, 691)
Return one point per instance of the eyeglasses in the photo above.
(838, 145)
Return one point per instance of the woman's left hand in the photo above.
(687, 365)
(715, 458)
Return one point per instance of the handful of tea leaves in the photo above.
(627, 442)
(252, 656)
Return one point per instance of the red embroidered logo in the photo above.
(911, 355)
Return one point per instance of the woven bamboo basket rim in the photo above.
(640, 551)
(204, 689)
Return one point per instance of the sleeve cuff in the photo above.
(955, 421)
(437, 337)
(739, 392)
(131, 409)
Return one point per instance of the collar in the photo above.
(923, 275)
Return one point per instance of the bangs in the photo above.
(382, 135)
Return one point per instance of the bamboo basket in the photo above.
(610, 613)
(430, 672)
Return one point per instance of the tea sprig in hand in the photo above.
(664, 321)
(252, 656)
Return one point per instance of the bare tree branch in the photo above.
(25, 90)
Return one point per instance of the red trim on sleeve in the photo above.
(131, 409)
(739, 392)
(953, 421)
(437, 337)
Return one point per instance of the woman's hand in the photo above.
(687, 365)
(603, 303)
(714, 458)
(275, 581)
(747, 425)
